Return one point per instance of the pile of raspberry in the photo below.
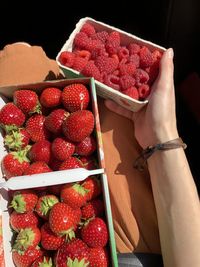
(130, 69)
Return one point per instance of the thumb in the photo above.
(166, 72)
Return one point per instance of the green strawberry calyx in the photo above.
(21, 155)
(18, 204)
(24, 239)
(80, 189)
(36, 109)
(77, 263)
(46, 263)
(13, 140)
(68, 233)
(47, 203)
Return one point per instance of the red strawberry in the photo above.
(44, 205)
(94, 208)
(74, 195)
(98, 257)
(78, 125)
(27, 101)
(95, 233)
(62, 149)
(20, 221)
(49, 240)
(54, 120)
(15, 163)
(51, 97)
(89, 162)
(11, 115)
(62, 220)
(93, 185)
(74, 253)
(16, 139)
(54, 163)
(35, 127)
(24, 201)
(40, 151)
(70, 163)
(27, 257)
(86, 147)
(27, 237)
(75, 97)
(37, 167)
(43, 261)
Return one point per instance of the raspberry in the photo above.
(153, 70)
(79, 63)
(112, 81)
(88, 29)
(102, 36)
(113, 43)
(144, 91)
(133, 48)
(132, 92)
(83, 53)
(101, 51)
(91, 70)
(127, 69)
(135, 59)
(146, 58)
(81, 40)
(141, 77)
(126, 81)
(106, 64)
(67, 58)
(156, 54)
(123, 53)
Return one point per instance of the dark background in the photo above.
(169, 23)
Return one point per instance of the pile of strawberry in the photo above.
(50, 131)
(65, 229)
(60, 225)
(130, 69)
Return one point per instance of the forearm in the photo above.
(177, 206)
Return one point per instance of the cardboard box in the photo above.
(102, 89)
(7, 233)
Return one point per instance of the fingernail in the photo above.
(170, 53)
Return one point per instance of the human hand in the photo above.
(156, 122)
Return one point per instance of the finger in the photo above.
(166, 73)
(111, 105)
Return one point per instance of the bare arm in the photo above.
(174, 191)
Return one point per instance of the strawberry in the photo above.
(44, 205)
(93, 186)
(78, 125)
(95, 233)
(74, 195)
(54, 120)
(86, 147)
(35, 127)
(15, 163)
(24, 201)
(54, 163)
(51, 97)
(98, 257)
(62, 149)
(62, 220)
(55, 189)
(11, 115)
(27, 257)
(40, 151)
(16, 139)
(75, 97)
(89, 162)
(43, 261)
(94, 208)
(27, 101)
(74, 253)
(49, 240)
(37, 167)
(70, 163)
(20, 221)
(27, 237)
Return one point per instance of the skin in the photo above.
(175, 194)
